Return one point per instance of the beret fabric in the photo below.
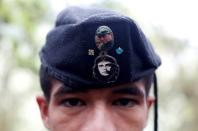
(65, 55)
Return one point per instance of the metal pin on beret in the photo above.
(97, 38)
(105, 67)
(104, 38)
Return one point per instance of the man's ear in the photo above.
(149, 103)
(43, 107)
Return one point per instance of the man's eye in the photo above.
(72, 102)
(126, 102)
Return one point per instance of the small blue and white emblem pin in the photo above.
(119, 50)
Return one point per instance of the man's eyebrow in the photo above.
(129, 90)
(66, 90)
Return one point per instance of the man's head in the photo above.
(96, 71)
(119, 108)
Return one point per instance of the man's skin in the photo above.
(121, 108)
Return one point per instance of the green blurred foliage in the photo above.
(19, 47)
(19, 20)
(178, 93)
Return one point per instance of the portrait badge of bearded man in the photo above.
(104, 38)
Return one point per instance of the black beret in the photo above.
(71, 50)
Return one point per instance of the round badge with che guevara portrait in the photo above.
(105, 69)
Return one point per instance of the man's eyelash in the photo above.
(123, 101)
(70, 100)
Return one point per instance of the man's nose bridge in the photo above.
(101, 113)
(101, 120)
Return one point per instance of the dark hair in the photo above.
(149, 79)
(46, 82)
